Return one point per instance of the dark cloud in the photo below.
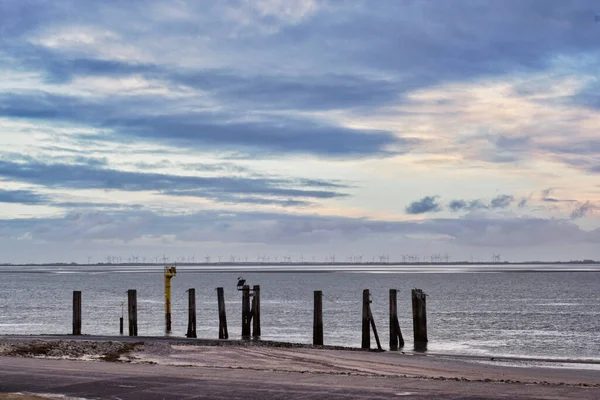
(509, 36)
(420, 44)
(22, 197)
(457, 205)
(523, 202)
(426, 205)
(550, 200)
(502, 201)
(574, 147)
(29, 197)
(69, 176)
(471, 205)
(583, 209)
(299, 92)
(130, 120)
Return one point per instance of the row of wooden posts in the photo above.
(251, 317)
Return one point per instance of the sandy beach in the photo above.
(281, 363)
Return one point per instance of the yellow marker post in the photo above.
(170, 272)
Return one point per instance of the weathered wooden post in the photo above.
(368, 320)
(419, 317)
(223, 334)
(366, 333)
(395, 332)
(191, 330)
(246, 315)
(318, 319)
(374, 328)
(121, 319)
(76, 312)
(132, 311)
(256, 311)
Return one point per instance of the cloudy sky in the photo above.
(299, 127)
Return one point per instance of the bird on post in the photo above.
(241, 282)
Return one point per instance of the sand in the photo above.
(292, 360)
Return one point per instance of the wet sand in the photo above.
(284, 364)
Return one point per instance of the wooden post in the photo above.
(191, 330)
(222, 314)
(318, 319)
(132, 311)
(374, 329)
(419, 317)
(256, 311)
(393, 313)
(121, 319)
(246, 315)
(76, 313)
(366, 334)
(396, 339)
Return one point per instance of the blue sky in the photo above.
(299, 128)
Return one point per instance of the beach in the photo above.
(295, 367)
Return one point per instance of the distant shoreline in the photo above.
(299, 264)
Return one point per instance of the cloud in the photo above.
(471, 205)
(21, 197)
(29, 197)
(523, 202)
(282, 229)
(70, 176)
(584, 209)
(426, 205)
(502, 201)
(301, 92)
(457, 205)
(197, 129)
(319, 86)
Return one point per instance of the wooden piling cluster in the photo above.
(251, 320)
(251, 314)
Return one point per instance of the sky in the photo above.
(299, 128)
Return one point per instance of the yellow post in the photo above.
(170, 272)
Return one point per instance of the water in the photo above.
(551, 312)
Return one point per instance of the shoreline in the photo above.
(502, 359)
(298, 263)
(303, 367)
(164, 350)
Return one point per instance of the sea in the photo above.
(539, 311)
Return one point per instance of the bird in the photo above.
(241, 281)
